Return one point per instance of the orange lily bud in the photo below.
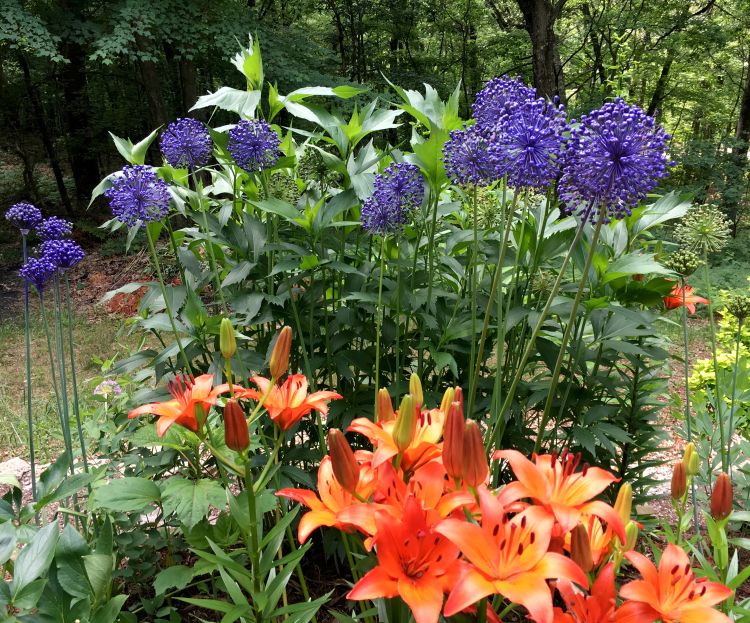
(624, 502)
(236, 434)
(415, 388)
(227, 341)
(474, 464)
(453, 441)
(690, 460)
(679, 481)
(385, 406)
(458, 396)
(631, 535)
(345, 466)
(721, 498)
(580, 548)
(406, 423)
(279, 363)
(445, 404)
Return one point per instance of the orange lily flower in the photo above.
(424, 446)
(553, 483)
(187, 393)
(598, 607)
(674, 299)
(289, 401)
(414, 562)
(509, 557)
(327, 509)
(671, 593)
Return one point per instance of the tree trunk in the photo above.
(49, 146)
(152, 83)
(189, 84)
(539, 20)
(661, 84)
(743, 121)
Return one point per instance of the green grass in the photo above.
(99, 337)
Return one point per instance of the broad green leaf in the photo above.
(109, 612)
(7, 541)
(280, 207)
(10, 479)
(177, 576)
(124, 146)
(243, 103)
(129, 494)
(139, 150)
(190, 500)
(633, 264)
(35, 558)
(99, 572)
(67, 488)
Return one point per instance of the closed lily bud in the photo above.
(453, 441)
(679, 481)
(474, 464)
(406, 423)
(415, 389)
(445, 403)
(345, 466)
(690, 460)
(458, 396)
(227, 340)
(624, 502)
(279, 363)
(721, 498)
(631, 535)
(580, 548)
(236, 434)
(385, 406)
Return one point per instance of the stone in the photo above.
(15, 467)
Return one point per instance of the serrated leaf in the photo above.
(190, 500)
(129, 494)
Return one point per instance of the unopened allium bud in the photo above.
(445, 403)
(679, 481)
(227, 340)
(580, 548)
(624, 502)
(453, 441)
(721, 497)
(345, 466)
(236, 434)
(415, 388)
(690, 460)
(385, 406)
(474, 465)
(739, 306)
(406, 423)
(684, 261)
(279, 363)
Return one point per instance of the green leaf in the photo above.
(123, 495)
(124, 146)
(277, 206)
(633, 264)
(250, 63)
(190, 501)
(35, 558)
(177, 576)
(7, 541)
(243, 103)
(99, 572)
(67, 488)
(139, 150)
(109, 612)
(10, 479)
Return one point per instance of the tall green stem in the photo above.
(253, 547)
(688, 415)
(379, 323)
(167, 304)
(434, 199)
(74, 380)
(29, 412)
(61, 370)
(730, 432)
(566, 333)
(717, 388)
(473, 294)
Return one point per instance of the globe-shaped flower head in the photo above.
(138, 196)
(527, 142)
(24, 216)
(498, 95)
(54, 228)
(64, 254)
(468, 159)
(254, 145)
(614, 156)
(186, 143)
(398, 191)
(37, 272)
(704, 228)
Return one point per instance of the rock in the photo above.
(15, 467)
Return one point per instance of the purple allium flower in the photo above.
(108, 387)
(398, 191)
(186, 143)
(497, 95)
(37, 272)
(614, 156)
(527, 143)
(138, 196)
(62, 253)
(54, 228)
(254, 145)
(468, 160)
(24, 216)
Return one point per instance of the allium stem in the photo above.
(734, 392)
(566, 333)
(63, 377)
(688, 415)
(717, 388)
(29, 414)
(76, 409)
(473, 290)
(499, 420)
(167, 304)
(379, 324)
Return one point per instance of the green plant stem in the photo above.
(566, 333)
(688, 415)
(431, 263)
(397, 374)
(167, 304)
(253, 546)
(379, 324)
(74, 380)
(61, 370)
(52, 367)
(499, 420)
(717, 388)
(29, 410)
(730, 432)
(473, 287)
